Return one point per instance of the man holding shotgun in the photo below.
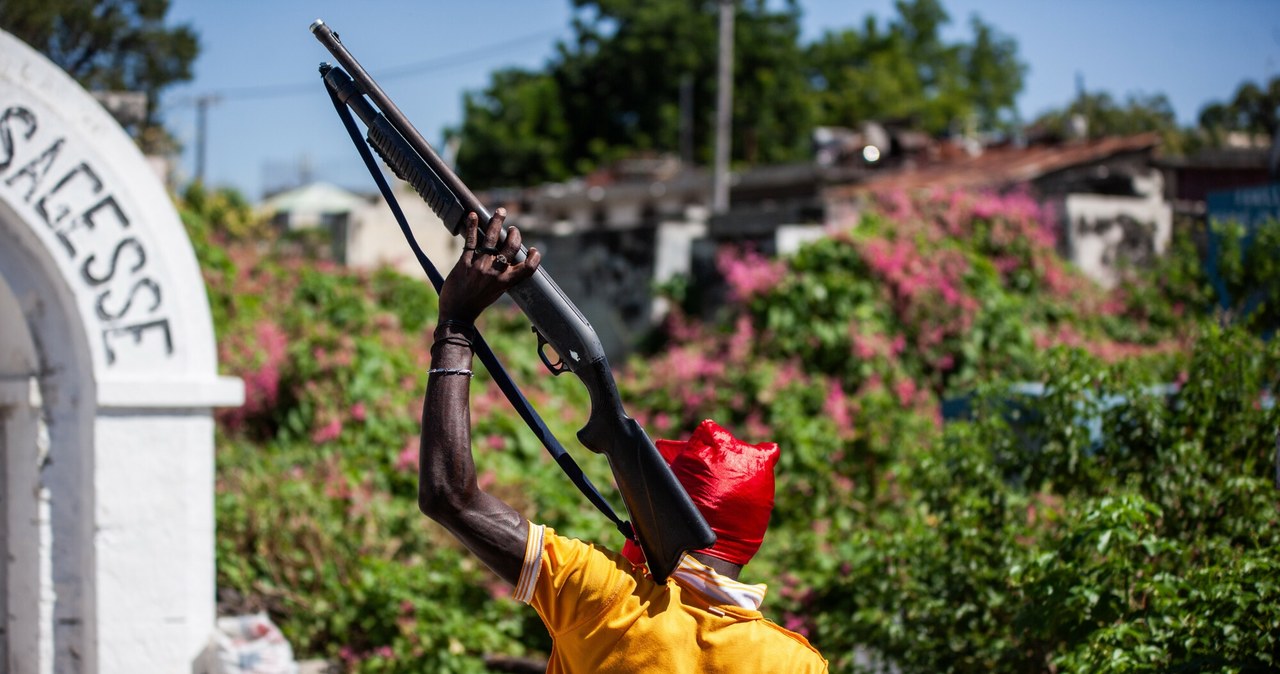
(604, 611)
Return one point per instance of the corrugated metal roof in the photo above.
(999, 167)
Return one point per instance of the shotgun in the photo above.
(665, 520)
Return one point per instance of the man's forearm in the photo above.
(447, 489)
(446, 470)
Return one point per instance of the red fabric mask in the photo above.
(732, 484)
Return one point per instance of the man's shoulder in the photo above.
(568, 549)
(573, 561)
(807, 658)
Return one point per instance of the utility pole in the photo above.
(202, 114)
(724, 111)
(686, 119)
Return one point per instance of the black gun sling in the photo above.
(490, 360)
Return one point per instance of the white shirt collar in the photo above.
(715, 588)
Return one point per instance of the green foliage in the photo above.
(1105, 116)
(523, 128)
(1176, 286)
(1249, 268)
(905, 70)
(614, 90)
(1025, 545)
(332, 543)
(109, 45)
(1254, 110)
(222, 214)
(317, 473)
(1105, 505)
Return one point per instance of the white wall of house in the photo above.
(1105, 232)
(789, 238)
(108, 377)
(374, 237)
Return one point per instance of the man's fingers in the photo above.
(530, 265)
(494, 227)
(470, 234)
(512, 245)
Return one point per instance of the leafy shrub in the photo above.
(1248, 266)
(1148, 552)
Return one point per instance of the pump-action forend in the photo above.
(666, 521)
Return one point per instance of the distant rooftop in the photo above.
(1000, 166)
(315, 198)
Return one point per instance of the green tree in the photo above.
(906, 70)
(110, 45)
(1105, 116)
(614, 91)
(514, 132)
(993, 74)
(1255, 110)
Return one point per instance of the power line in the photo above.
(260, 92)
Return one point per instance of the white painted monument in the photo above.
(108, 377)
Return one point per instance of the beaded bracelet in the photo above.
(455, 340)
(464, 334)
(465, 329)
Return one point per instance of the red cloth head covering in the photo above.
(732, 484)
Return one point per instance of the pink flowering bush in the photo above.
(317, 510)
(844, 352)
(932, 544)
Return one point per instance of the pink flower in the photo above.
(905, 389)
(358, 411)
(498, 589)
(836, 407)
(408, 458)
(748, 273)
(336, 486)
(329, 431)
(865, 346)
(742, 339)
(1181, 380)
(788, 374)
(273, 340)
(797, 624)
(756, 427)
(1006, 264)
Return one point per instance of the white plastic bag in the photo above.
(251, 644)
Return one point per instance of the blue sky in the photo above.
(273, 117)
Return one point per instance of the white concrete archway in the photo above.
(108, 377)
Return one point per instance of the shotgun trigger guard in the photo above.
(557, 368)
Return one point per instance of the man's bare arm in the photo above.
(447, 488)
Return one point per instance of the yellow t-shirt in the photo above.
(606, 615)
